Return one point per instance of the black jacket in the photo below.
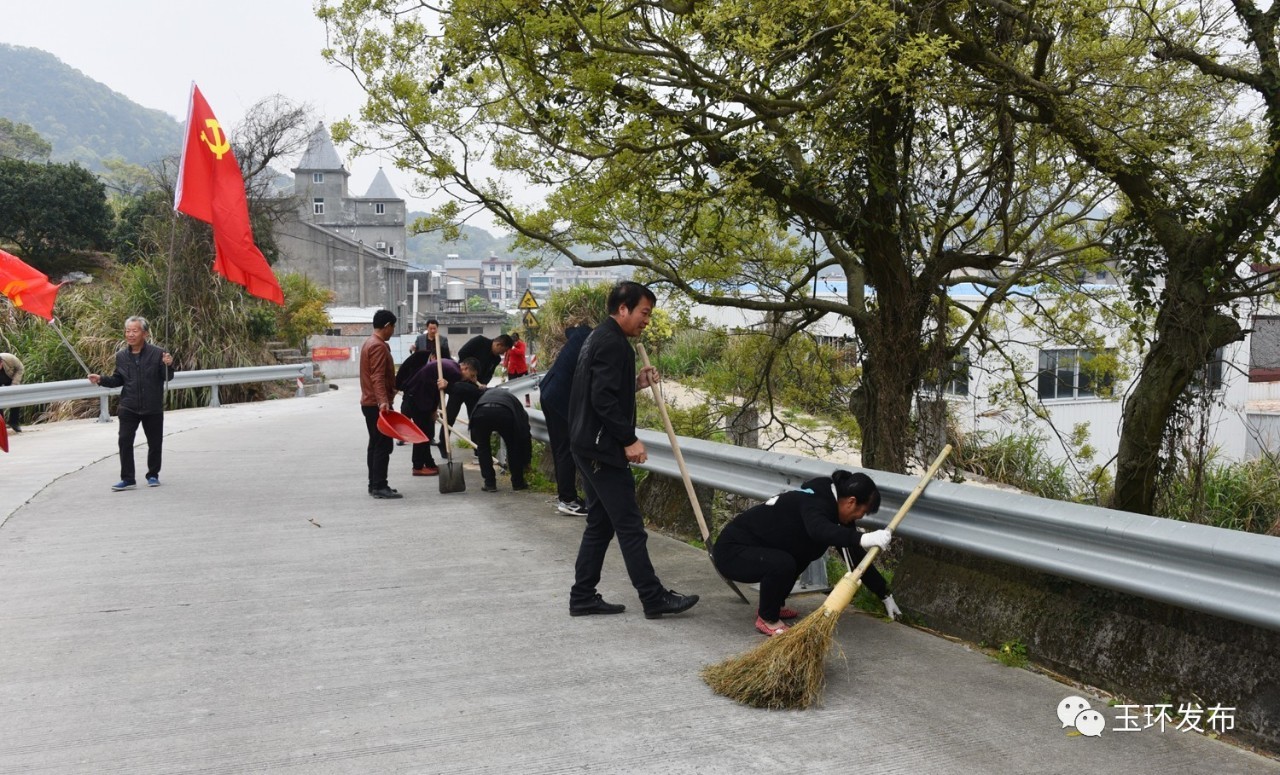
(481, 348)
(556, 385)
(802, 523)
(523, 441)
(602, 414)
(142, 378)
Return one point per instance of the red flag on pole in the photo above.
(211, 189)
(28, 288)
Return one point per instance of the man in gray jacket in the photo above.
(142, 369)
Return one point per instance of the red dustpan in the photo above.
(397, 426)
(4, 435)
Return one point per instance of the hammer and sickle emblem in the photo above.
(14, 291)
(219, 144)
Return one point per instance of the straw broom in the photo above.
(789, 670)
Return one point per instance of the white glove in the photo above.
(877, 538)
(891, 608)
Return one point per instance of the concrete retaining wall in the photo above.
(1144, 651)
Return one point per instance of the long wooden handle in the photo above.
(847, 587)
(448, 449)
(675, 449)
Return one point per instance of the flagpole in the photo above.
(58, 327)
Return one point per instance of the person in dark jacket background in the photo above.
(424, 463)
(498, 411)
(426, 342)
(602, 435)
(488, 354)
(554, 389)
(142, 369)
(774, 542)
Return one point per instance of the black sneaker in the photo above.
(489, 487)
(671, 602)
(385, 493)
(596, 605)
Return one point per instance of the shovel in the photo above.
(684, 474)
(451, 478)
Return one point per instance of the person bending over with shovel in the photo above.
(774, 542)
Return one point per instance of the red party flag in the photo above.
(28, 288)
(211, 189)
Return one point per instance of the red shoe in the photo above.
(784, 613)
(426, 471)
(767, 629)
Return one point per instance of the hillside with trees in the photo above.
(84, 120)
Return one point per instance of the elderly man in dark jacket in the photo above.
(602, 435)
(142, 369)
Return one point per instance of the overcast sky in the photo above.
(237, 52)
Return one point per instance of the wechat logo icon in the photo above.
(1076, 712)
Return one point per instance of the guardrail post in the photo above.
(104, 409)
(213, 396)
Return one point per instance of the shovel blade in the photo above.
(451, 478)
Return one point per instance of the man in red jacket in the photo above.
(377, 391)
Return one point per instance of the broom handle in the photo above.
(874, 551)
(845, 589)
(675, 449)
(450, 429)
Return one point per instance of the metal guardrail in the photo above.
(1227, 573)
(71, 389)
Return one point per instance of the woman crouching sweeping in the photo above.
(774, 542)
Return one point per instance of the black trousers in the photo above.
(425, 420)
(378, 455)
(13, 418)
(153, 429)
(775, 569)
(488, 420)
(566, 471)
(612, 510)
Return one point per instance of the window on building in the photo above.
(391, 250)
(1209, 376)
(317, 206)
(954, 375)
(317, 177)
(1066, 374)
(460, 330)
(379, 208)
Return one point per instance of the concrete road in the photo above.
(259, 613)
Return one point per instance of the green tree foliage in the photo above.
(47, 209)
(303, 313)
(1178, 105)
(735, 151)
(21, 142)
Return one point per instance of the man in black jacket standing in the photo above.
(602, 435)
(142, 369)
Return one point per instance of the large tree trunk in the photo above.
(1186, 333)
(891, 363)
(889, 381)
